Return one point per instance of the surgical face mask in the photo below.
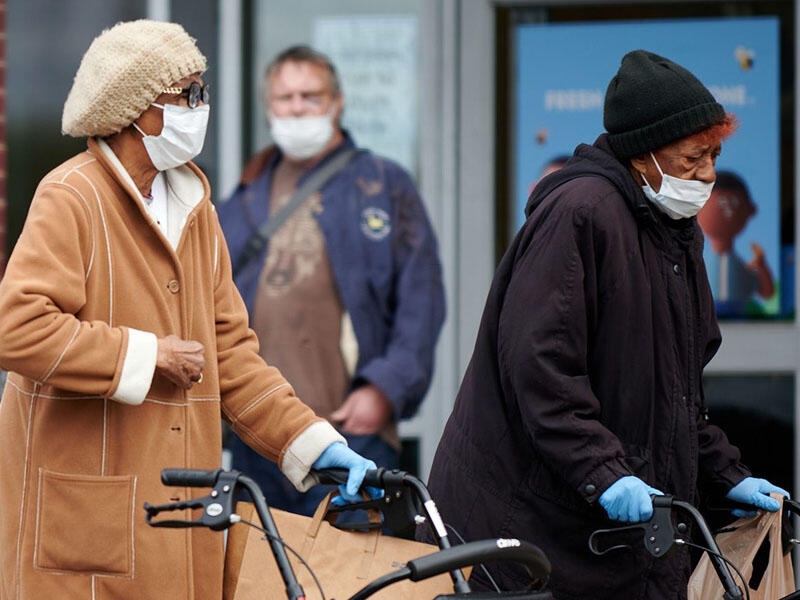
(301, 137)
(181, 137)
(678, 198)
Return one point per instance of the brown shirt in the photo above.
(298, 313)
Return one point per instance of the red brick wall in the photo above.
(3, 204)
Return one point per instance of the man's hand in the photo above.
(365, 411)
(180, 361)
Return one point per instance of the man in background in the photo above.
(343, 287)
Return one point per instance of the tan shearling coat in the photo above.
(85, 427)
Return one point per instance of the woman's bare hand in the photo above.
(180, 361)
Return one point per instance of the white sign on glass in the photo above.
(376, 58)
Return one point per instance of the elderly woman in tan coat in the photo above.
(127, 341)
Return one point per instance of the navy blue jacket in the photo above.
(384, 258)
(587, 368)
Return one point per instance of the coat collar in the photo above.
(187, 182)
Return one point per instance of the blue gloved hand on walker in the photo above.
(755, 491)
(628, 499)
(339, 455)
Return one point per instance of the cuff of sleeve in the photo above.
(304, 450)
(601, 478)
(387, 382)
(729, 478)
(138, 367)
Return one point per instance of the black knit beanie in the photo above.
(652, 101)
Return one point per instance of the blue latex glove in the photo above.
(628, 499)
(752, 490)
(339, 455)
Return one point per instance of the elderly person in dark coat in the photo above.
(584, 393)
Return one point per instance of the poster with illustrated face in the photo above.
(562, 71)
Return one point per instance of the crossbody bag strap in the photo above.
(259, 239)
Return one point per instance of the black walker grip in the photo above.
(190, 477)
(334, 476)
(478, 552)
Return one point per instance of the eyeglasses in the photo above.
(312, 100)
(194, 93)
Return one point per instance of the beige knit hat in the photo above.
(123, 71)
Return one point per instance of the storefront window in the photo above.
(560, 59)
(375, 47)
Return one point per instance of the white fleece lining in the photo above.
(138, 368)
(185, 191)
(348, 344)
(120, 168)
(304, 450)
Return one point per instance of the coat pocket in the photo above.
(84, 524)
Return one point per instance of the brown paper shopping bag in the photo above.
(343, 561)
(754, 545)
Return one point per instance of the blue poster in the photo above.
(562, 71)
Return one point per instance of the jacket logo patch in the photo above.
(375, 223)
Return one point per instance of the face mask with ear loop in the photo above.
(181, 138)
(678, 198)
(301, 137)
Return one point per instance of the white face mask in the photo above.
(301, 137)
(678, 198)
(181, 137)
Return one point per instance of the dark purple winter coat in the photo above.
(587, 367)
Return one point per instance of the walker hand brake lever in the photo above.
(152, 511)
(218, 506)
(659, 531)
